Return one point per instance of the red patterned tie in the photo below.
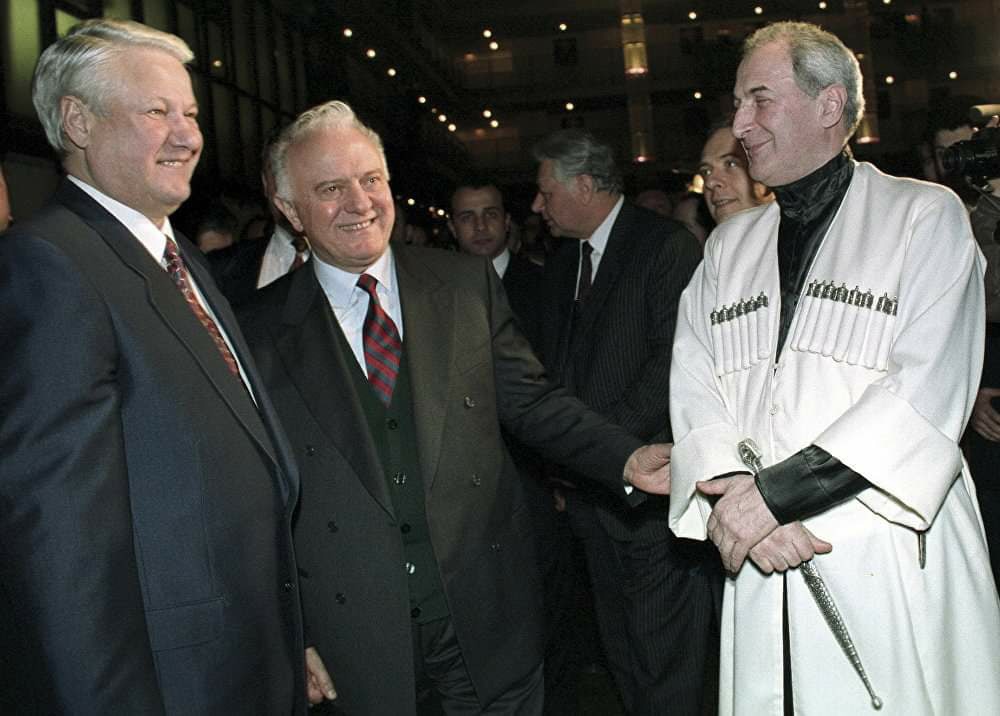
(179, 273)
(383, 348)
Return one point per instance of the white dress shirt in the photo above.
(350, 302)
(278, 257)
(599, 241)
(501, 261)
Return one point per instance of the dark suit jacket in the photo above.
(522, 282)
(471, 372)
(617, 357)
(236, 268)
(145, 544)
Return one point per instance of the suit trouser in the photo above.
(445, 687)
(657, 604)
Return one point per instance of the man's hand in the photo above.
(986, 420)
(648, 469)
(786, 547)
(739, 520)
(319, 685)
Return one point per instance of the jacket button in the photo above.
(399, 478)
(332, 526)
(391, 424)
(476, 480)
(287, 587)
(310, 450)
(411, 568)
(405, 528)
(469, 402)
(495, 547)
(415, 612)
(340, 598)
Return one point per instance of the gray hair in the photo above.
(819, 59)
(77, 65)
(574, 152)
(329, 115)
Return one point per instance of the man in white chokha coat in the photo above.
(841, 328)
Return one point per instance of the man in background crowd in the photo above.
(728, 187)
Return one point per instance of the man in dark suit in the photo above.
(612, 304)
(394, 369)
(146, 560)
(249, 264)
(481, 225)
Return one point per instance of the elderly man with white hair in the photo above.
(147, 489)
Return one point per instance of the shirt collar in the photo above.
(339, 285)
(599, 239)
(501, 261)
(149, 235)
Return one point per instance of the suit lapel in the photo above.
(565, 291)
(429, 341)
(170, 305)
(307, 341)
(612, 263)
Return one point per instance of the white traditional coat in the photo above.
(880, 369)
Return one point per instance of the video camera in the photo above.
(977, 158)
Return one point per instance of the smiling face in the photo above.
(479, 221)
(728, 186)
(341, 199)
(780, 126)
(142, 147)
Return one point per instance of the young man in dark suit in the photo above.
(612, 304)
(394, 369)
(147, 488)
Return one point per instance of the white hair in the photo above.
(329, 115)
(77, 65)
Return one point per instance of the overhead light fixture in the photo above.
(889, 79)
(692, 16)
(370, 53)
(411, 201)
(487, 33)
(487, 113)
(391, 71)
(822, 5)
(494, 123)
(758, 10)
(562, 27)
(442, 118)
(570, 106)
(348, 32)
(697, 94)
(494, 45)
(452, 127)
(422, 100)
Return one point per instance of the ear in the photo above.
(287, 208)
(77, 120)
(833, 100)
(584, 186)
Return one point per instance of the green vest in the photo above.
(394, 432)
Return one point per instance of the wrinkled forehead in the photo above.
(765, 68)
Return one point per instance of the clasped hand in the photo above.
(741, 525)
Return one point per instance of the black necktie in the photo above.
(586, 272)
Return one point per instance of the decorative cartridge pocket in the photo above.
(741, 334)
(850, 326)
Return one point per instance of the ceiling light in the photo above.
(487, 113)
(562, 27)
(370, 53)
(391, 71)
(348, 32)
(697, 95)
(758, 10)
(487, 33)
(692, 15)
(494, 45)
(822, 5)
(889, 79)
(411, 201)
(452, 127)
(442, 118)
(422, 100)
(494, 123)
(953, 75)
(570, 106)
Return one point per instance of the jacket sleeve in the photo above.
(543, 415)
(69, 567)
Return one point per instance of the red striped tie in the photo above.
(179, 273)
(383, 348)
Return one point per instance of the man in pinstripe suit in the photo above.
(607, 335)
